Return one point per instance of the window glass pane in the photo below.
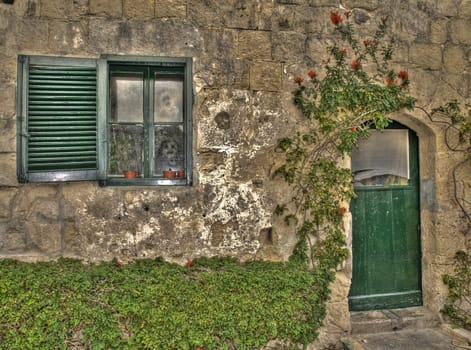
(169, 148)
(126, 97)
(125, 149)
(382, 159)
(168, 100)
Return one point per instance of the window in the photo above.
(382, 159)
(119, 120)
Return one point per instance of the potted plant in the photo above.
(169, 174)
(121, 159)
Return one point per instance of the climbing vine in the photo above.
(355, 91)
(457, 125)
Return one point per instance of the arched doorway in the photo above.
(386, 221)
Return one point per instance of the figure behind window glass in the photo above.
(169, 148)
(169, 140)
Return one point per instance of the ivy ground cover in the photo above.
(151, 304)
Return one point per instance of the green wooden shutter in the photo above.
(59, 119)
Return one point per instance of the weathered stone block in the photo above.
(369, 5)
(147, 37)
(205, 13)
(45, 236)
(239, 15)
(32, 35)
(8, 96)
(255, 44)
(454, 59)
(323, 3)
(11, 239)
(220, 43)
(465, 9)
(8, 74)
(445, 94)
(42, 224)
(103, 35)
(459, 32)
(138, 9)
(263, 12)
(447, 8)
(266, 76)
(6, 197)
(412, 24)
(66, 37)
(61, 9)
(288, 46)
(301, 19)
(27, 8)
(174, 8)
(54, 9)
(315, 49)
(223, 73)
(71, 238)
(8, 140)
(439, 30)
(422, 85)
(428, 56)
(108, 8)
(8, 173)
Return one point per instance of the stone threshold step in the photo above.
(379, 321)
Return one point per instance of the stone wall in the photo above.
(246, 53)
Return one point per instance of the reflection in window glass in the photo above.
(168, 100)
(125, 149)
(126, 97)
(382, 159)
(169, 150)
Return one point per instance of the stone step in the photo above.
(379, 321)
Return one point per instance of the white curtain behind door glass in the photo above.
(382, 157)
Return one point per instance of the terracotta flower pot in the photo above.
(169, 174)
(181, 173)
(130, 174)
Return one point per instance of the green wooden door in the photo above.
(386, 232)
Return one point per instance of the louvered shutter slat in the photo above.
(62, 118)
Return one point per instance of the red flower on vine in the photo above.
(403, 75)
(356, 65)
(354, 128)
(298, 80)
(311, 74)
(336, 18)
(189, 263)
(342, 51)
(367, 42)
(342, 210)
(389, 80)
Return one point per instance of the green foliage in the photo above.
(458, 309)
(216, 303)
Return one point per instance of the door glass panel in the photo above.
(126, 97)
(125, 148)
(168, 100)
(169, 148)
(382, 159)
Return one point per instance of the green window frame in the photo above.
(65, 118)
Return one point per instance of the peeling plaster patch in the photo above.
(234, 202)
(77, 38)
